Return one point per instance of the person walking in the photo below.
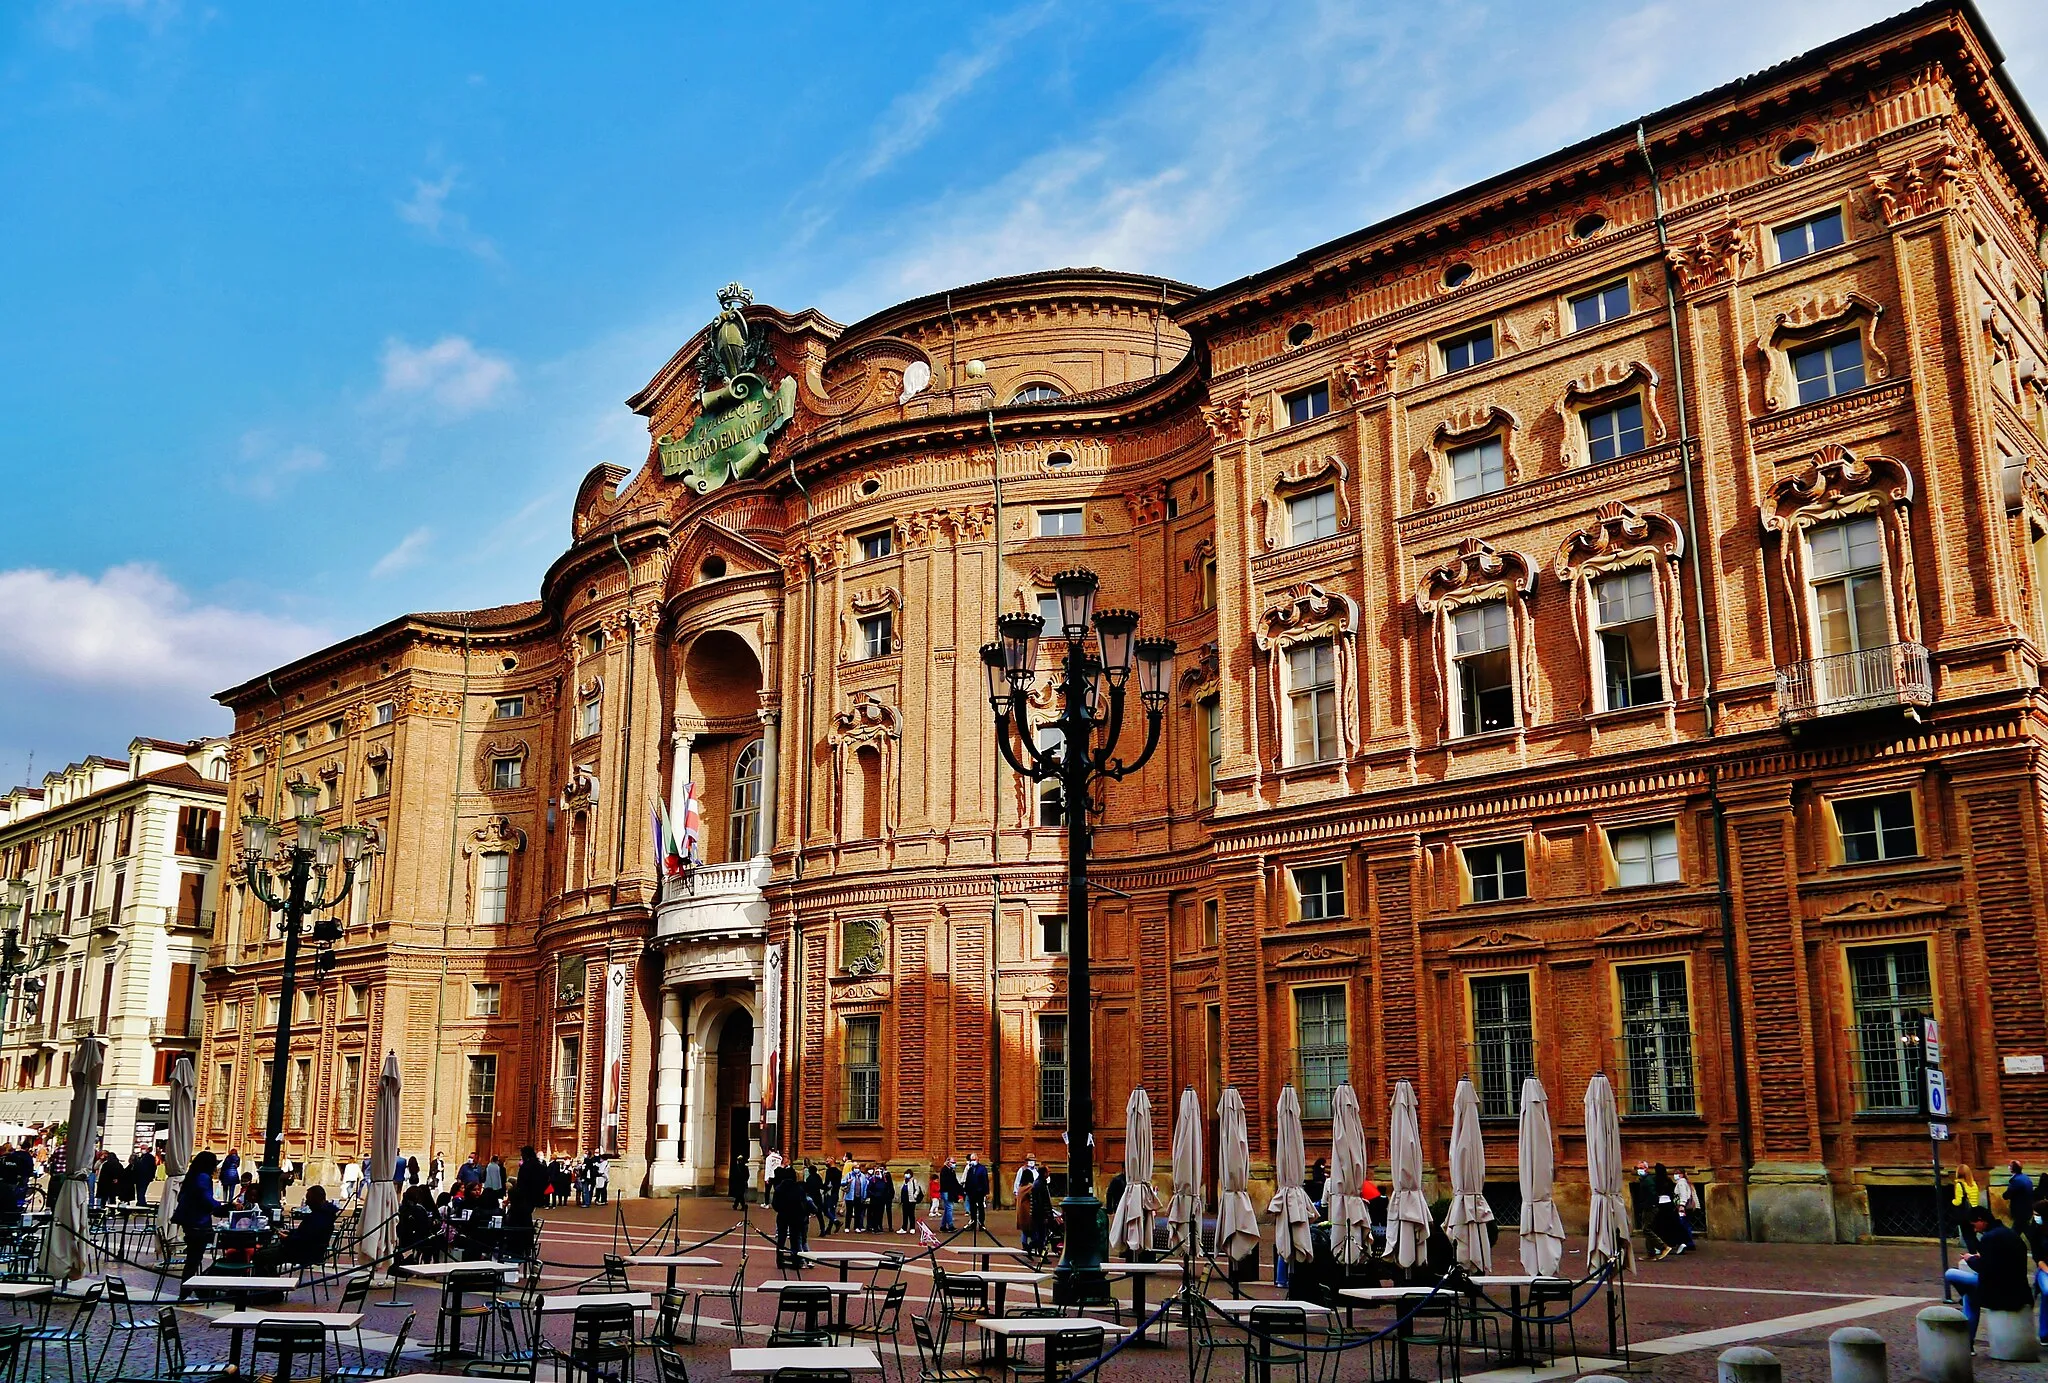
(412, 1171)
(907, 1198)
(1685, 1200)
(1965, 1197)
(950, 1190)
(814, 1194)
(878, 1199)
(1020, 1196)
(830, 1202)
(786, 1195)
(2019, 1195)
(230, 1171)
(601, 1179)
(736, 1180)
(975, 1186)
(1041, 1214)
(141, 1173)
(494, 1176)
(437, 1173)
(1664, 1220)
(194, 1214)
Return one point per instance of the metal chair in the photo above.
(11, 1335)
(289, 1345)
(366, 1369)
(669, 1366)
(803, 1316)
(1541, 1333)
(882, 1323)
(1075, 1349)
(931, 1360)
(1434, 1321)
(75, 1332)
(1202, 1334)
(1276, 1340)
(733, 1293)
(170, 1352)
(466, 1296)
(123, 1323)
(601, 1344)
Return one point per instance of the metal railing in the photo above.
(714, 880)
(193, 920)
(1868, 679)
(566, 1101)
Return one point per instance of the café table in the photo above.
(1008, 1328)
(1242, 1308)
(235, 1322)
(985, 1252)
(1137, 1273)
(1516, 1283)
(1002, 1280)
(1391, 1296)
(840, 1290)
(768, 1362)
(569, 1301)
(672, 1261)
(240, 1287)
(40, 1292)
(439, 1274)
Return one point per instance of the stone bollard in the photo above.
(1945, 1339)
(1601, 1378)
(1856, 1355)
(1748, 1364)
(2010, 1336)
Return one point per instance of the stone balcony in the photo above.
(1870, 679)
(712, 923)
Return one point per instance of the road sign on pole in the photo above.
(1937, 1094)
(1930, 1041)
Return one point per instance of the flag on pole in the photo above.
(693, 821)
(667, 848)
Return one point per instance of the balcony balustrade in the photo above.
(1869, 679)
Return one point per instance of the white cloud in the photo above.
(407, 553)
(452, 375)
(427, 210)
(268, 463)
(133, 629)
(914, 115)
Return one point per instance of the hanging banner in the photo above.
(771, 1028)
(614, 1049)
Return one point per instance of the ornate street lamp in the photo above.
(1091, 681)
(294, 879)
(41, 930)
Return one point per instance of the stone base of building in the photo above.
(1727, 1205)
(1792, 1203)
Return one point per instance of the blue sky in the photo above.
(316, 314)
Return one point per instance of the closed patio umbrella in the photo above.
(1237, 1223)
(1291, 1209)
(1607, 1227)
(64, 1249)
(1470, 1214)
(178, 1145)
(1408, 1209)
(1350, 1217)
(1134, 1213)
(1542, 1226)
(1184, 1211)
(380, 1202)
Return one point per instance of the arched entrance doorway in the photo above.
(729, 1106)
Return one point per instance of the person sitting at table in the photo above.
(304, 1245)
(194, 1214)
(477, 1235)
(420, 1235)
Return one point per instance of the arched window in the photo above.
(867, 763)
(743, 831)
(1038, 393)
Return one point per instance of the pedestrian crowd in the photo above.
(862, 1197)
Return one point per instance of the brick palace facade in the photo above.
(1611, 601)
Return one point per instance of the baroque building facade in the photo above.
(1611, 601)
(117, 863)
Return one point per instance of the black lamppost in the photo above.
(42, 934)
(1090, 682)
(293, 879)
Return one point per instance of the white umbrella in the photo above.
(1350, 1217)
(1607, 1227)
(1470, 1214)
(178, 1147)
(1542, 1226)
(1184, 1211)
(380, 1201)
(1132, 1225)
(1408, 1221)
(65, 1246)
(1291, 1209)
(1237, 1223)
(14, 1133)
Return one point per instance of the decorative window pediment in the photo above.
(1810, 318)
(490, 751)
(1607, 382)
(1463, 428)
(1480, 573)
(1307, 613)
(1298, 477)
(496, 836)
(1837, 486)
(1620, 539)
(863, 748)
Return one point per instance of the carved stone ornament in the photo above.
(378, 753)
(589, 687)
(916, 532)
(866, 720)
(1198, 680)
(496, 836)
(867, 725)
(1494, 939)
(490, 751)
(1461, 429)
(330, 771)
(1942, 181)
(1146, 505)
(1620, 539)
(580, 788)
(1308, 613)
(1810, 318)
(1298, 476)
(861, 951)
(1645, 925)
(1368, 374)
(870, 599)
(1839, 485)
(1710, 257)
(1479, 573)
(1320, 954)
(1607, 382)
(1234, 420)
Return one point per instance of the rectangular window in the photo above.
(1212, 923)
(1607, 304)
(507, 773)
(1828, 368)
(1052, 933)
(1210, 710)
(1312, 516)
(493, 884)
(864, 1069)
(379, 777)
(269, 1011)
(387, 711)
(1321, 891)
(878, 635)
(335, 730)
(223, 1092)
(266, 1077)
(1059, 523)
(568, 1078)
(1631, 663)
(308, 1007)
(571, 975)
(355, 1001)
(1498, 872)
(1847, 564)
(1482, 672)
(1312, 700)
(509, 707)
(877, 545)
(296, 1091)
(230, 1015)
(1892, 991)
(1052, 1068)
(484, 1000)
(1656, 1039)
(1463, 352)
(1877, 828)
(1613, 431)
(1646, 855)
(1209, 583)
(198, 832)
(483, 1086)
(1322, 1047)
(1808, 237)
(1503, 1042)
(1304, 405)
(345, 1097)
(590, 717)
(1478, 469)
(593, 642)
(301, 738)
(1051, 738)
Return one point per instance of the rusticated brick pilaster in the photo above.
(814, 1045)
(1773, 967)
(2002, 861)
(911, 1085)
(971, 1003)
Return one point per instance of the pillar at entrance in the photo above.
(679, 780)
(771, 780)
(666, 1176)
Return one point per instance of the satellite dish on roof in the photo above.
(916, 376)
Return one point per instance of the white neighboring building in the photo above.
(127, 856)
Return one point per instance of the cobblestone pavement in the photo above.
(1681, 1312)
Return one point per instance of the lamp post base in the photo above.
(1078, 1279)
(270, 1186)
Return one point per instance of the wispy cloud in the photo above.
(427, 211)
(70, 23)
(913, 116)
(268, 462)
(407, 553)
(452, 376)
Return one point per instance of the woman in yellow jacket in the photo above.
(1966, 1197)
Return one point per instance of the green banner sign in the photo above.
(730, 438)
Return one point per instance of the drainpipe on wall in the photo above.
(625, 725)
(793, 990)
(1737, 1034)
(448, 899)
